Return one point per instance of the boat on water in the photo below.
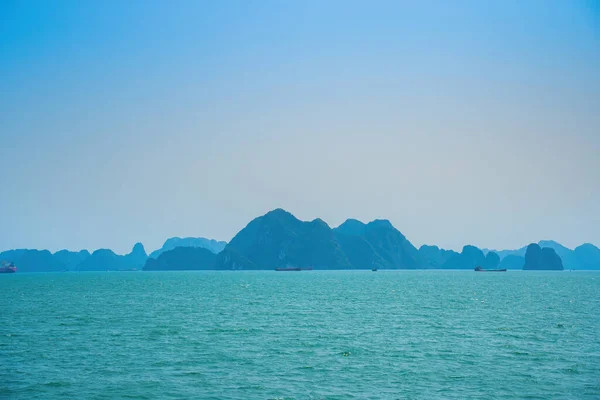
(294, 269)
(374, 270)
(7, 268)
(479, 269)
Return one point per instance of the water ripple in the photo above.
(313, 335)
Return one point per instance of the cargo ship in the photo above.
(293, 269)
(479, 269)
(7, 268)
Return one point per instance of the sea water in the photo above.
(300, 335)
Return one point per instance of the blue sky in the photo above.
(462, 122)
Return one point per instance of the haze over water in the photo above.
(307, 335)
(462, 122)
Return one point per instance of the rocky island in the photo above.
(280, 240)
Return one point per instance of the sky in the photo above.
(464, 122)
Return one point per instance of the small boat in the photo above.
(479, 269)
(288, 269)
(374, 270)
(7, 268)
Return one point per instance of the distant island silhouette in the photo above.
(280, 240)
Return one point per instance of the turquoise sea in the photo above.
(300, 335)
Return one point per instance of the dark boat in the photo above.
(374, 270)
(294, 269)
(479, 269)
(7, 268)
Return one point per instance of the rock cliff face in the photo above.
(434, 257)
(101, 260)
(182, 258)
(71, 259)
(33, 260)
(587, 256)
(537, 258)
(563, 252)
(472, 257)
(105, 259)
(492, 260)
(377, 245)
(172, 243)
(64, 260)
(278, 239)
(469, 258)
(136, 259)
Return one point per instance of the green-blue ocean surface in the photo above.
(300, 335)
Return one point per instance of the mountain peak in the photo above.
(172, 243)
(138, 248)
(353, 221)
(588, 246)
(319, 221)
(351, 227)
(278, 212)
(541, 258)
(279, 239)
(381, 223)
(552, 244)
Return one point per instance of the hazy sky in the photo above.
(463, 122)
